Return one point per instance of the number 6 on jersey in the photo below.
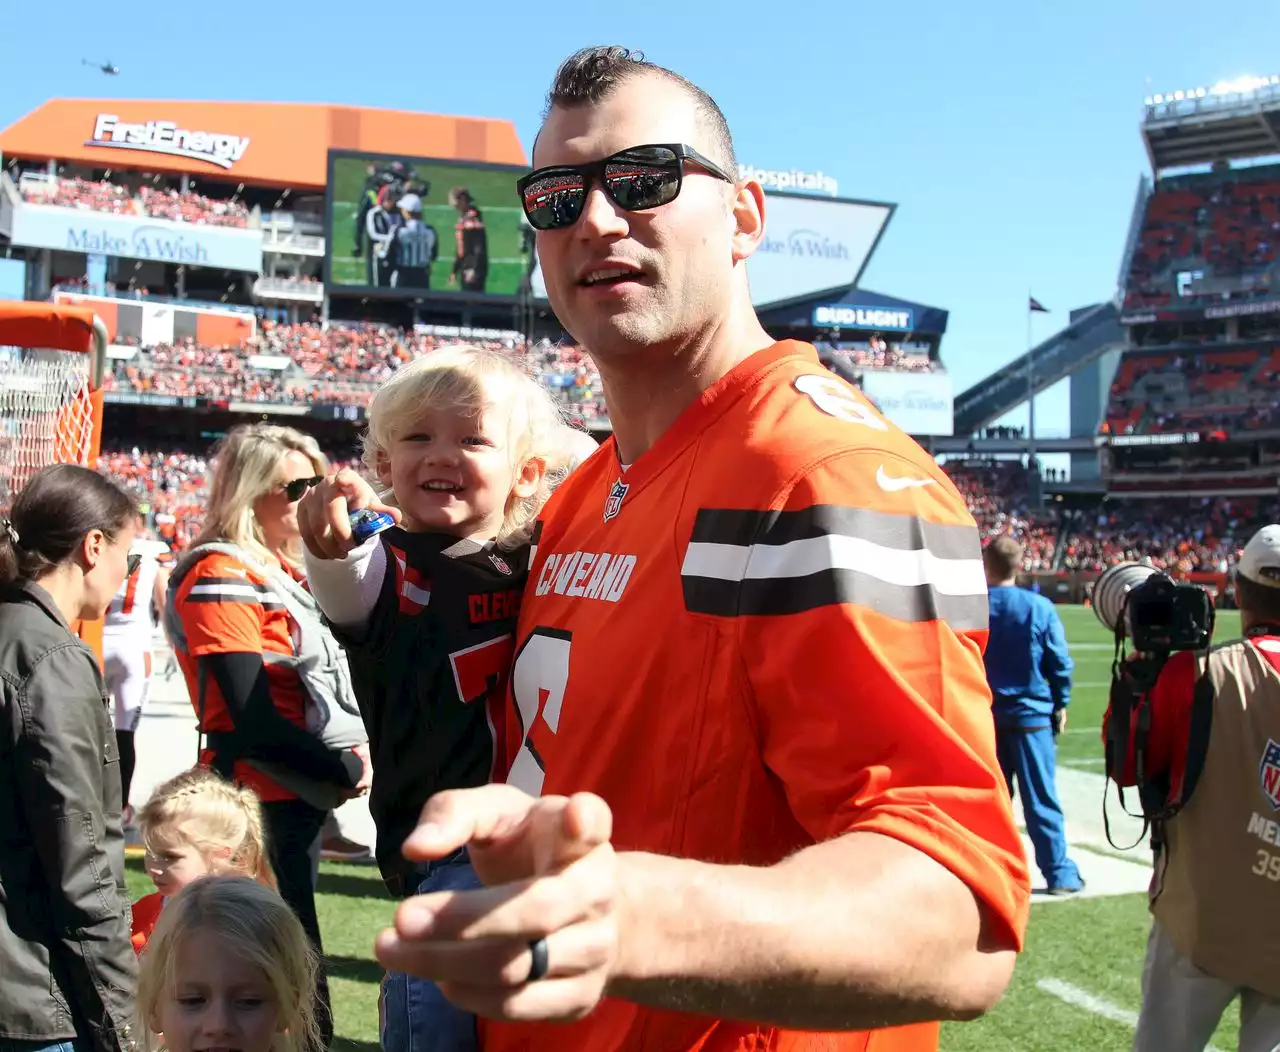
(538, 682)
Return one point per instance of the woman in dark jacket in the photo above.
(67, 968)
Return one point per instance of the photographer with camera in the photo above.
(1196, 731)
(1029, 672)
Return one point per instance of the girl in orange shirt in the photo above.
(197, 825)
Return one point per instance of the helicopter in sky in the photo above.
(107, 67)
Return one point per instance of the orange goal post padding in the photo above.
(52, 361)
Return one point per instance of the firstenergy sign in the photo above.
(219, 148)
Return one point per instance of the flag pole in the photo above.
(1031, 389)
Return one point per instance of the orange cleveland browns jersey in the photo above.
(227, 607)
(767, 632)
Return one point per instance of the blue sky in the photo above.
(1007, 137)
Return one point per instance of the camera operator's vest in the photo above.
(1217, 887)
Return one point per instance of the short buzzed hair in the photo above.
(594, 73)
(1003, 558)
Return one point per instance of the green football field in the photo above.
(493, 191)
(1076, 987)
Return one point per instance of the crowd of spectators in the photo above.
(338, 364)
(344, 363)
(1180, 535)
(171, 487)
(878, 353)
(998, 496)
(1225, 226)
(92, 195)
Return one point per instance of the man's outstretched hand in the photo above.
(549, 871)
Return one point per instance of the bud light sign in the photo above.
(841, 316)
(137, 237)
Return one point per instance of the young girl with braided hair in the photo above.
(196, 825)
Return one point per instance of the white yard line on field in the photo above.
(1079, 998)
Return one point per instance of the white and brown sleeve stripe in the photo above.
(753, 563)
(233, 590)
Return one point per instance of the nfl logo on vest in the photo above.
(1269, 770)
(613, 503)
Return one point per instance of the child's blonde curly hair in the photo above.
(471, 380)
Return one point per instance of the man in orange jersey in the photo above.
(753, 800)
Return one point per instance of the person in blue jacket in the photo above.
(1029, 671)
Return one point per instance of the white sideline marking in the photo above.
(1079, 998)
(1073, 995)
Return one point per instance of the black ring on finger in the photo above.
(540, 963)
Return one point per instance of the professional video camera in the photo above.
(1159, 616)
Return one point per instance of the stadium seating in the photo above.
(104, 196)
(340, 364)
(1223, 228)
(1199, 389)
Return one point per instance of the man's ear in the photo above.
(529, 477)
(748, 219)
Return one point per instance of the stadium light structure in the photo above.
(1233, 119)
(1241, 88)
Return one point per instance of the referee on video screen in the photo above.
(414, 247)
(380, 229)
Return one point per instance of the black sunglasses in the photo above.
(295, 489)
(635, 179)
(132, 563)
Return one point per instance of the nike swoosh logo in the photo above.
(890, 484)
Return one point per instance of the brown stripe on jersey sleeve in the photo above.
(748, 563)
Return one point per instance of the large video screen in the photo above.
(416, 226)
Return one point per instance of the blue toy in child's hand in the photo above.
(366, 522)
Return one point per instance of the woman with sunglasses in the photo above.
(269, 683)
(67, 968)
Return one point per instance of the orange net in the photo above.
(49, 410)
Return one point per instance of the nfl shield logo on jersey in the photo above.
(613, 503)
(500, 563)
(1269, 770)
